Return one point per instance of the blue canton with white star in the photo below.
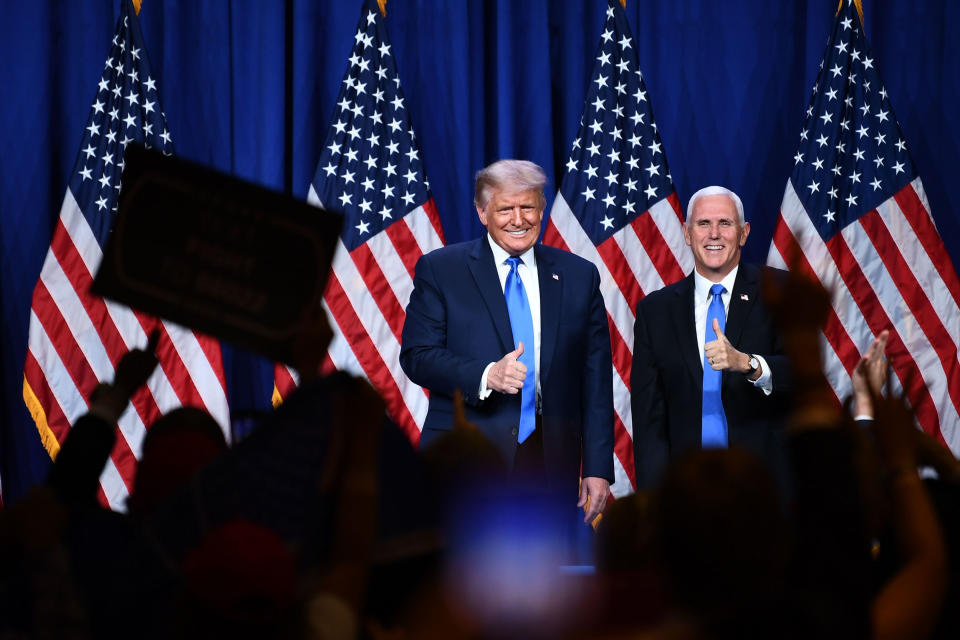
(852, 156)
(617, 168)
(126, 109)
(370, 168)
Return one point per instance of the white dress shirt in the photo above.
(527, 271)
(702, 295)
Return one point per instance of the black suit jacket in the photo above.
(667, 377)
(457, 323)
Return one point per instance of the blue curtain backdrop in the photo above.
(248, 88)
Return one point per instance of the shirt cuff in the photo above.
(765, 381)
(484, 391)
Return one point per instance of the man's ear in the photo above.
(482, 214)
(745, 233)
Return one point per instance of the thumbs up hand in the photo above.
(721, 355)
(508, 373)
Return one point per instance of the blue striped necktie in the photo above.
(714, 420)
(521, 322)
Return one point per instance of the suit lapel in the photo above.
(742, 299)
(551, 301)
(487, 279)
(683, 319)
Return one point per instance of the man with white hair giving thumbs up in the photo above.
(709, 368)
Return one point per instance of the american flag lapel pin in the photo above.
(555, 276)
(744, 297)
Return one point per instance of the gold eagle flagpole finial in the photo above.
(858, 4)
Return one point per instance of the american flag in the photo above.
(855, 214)
(76, 339)
(371, 170)
(617, 207)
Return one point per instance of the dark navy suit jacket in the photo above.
(666, 380)
(457, 323)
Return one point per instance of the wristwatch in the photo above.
(754, 364)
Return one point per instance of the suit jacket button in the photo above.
(514, 431)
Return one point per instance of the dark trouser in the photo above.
(529, 461)
(529, 469)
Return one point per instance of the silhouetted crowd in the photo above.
(326, 523)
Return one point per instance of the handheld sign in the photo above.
(216, 254)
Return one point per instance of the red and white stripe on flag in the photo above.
(855, 215)
(888, 270)
(640, 258)
(365, 299)
(76, 339)
(617, 207)
(371, 171)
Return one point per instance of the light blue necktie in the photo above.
(521, 322)
(714, 421)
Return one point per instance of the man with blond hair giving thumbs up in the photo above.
(520, 329)
(709, 368)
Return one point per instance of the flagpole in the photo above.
(383, 7)
(137, 3)
(857, 3)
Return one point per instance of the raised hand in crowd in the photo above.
(311, 344)
(829, 501)
(870, 373)
(110, 399)
(75, 473)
